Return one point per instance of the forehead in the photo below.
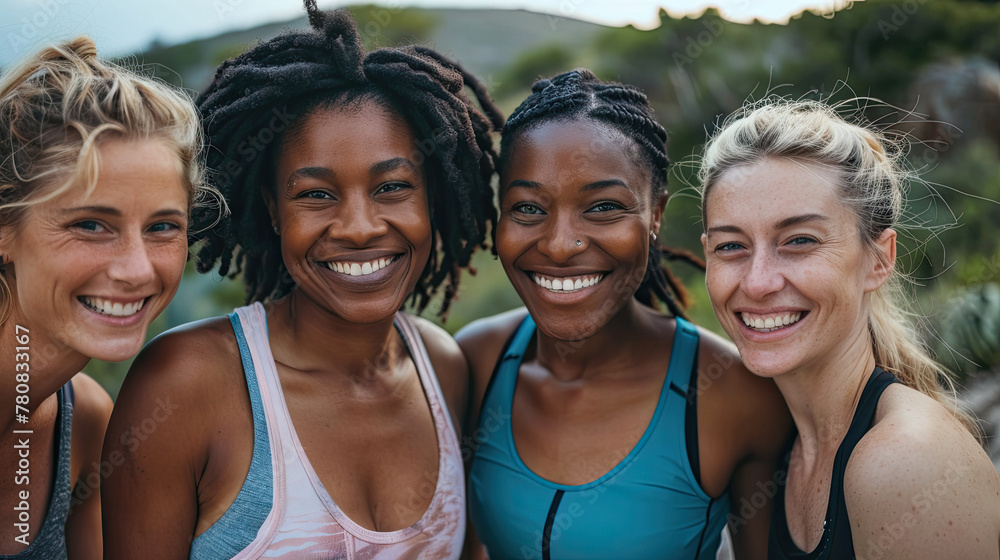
(364, 131)
(579, 149)
(770, 190)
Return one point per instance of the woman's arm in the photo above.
(156, 447)
(91, 410)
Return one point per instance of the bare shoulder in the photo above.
(184, 374)
(445, 355)
(91, 404)
(481, 342)
(920, 469)
(751, 405)
(91, 412)
(483, 339)
(449, 363)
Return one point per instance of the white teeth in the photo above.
(359, 269)
(113, 308)
(564, 285)
(768, 324)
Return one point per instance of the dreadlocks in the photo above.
(579, 94)
(260, 96)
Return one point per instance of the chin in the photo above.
(112, 350)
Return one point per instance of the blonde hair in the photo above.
(873, 180)
(55, 106)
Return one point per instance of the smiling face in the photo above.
(787, 270)
(94, 271)
(351, 207)
(575, 221)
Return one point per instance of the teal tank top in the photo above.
(649, 506)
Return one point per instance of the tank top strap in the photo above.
(418, 353)
(504, 379)
(253, 509)
(683, 358)
(864, 415)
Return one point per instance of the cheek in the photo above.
(169, 261)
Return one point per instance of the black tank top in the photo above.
(836, 542)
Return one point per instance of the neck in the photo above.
(49, 364)
(823, 398)
(628, 331)
(310, 339)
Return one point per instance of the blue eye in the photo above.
(89, 225)
(606, 207)
(527, 208)
(727, 247)
(162, 227)
(802, 241)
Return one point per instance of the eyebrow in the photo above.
(786, 223)
(607, 183)
(111, 211)
(376, 169)
(391, 165)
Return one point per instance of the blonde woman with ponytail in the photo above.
(98, 171)
(799, 208)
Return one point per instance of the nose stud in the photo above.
(578, 242)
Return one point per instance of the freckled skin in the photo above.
(779, 240)
(125, 242)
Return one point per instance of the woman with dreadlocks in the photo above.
(607, 429)
(310, 424)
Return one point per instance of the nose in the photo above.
(359, 223)
(561, 240)
(132, 264)
(763, 277)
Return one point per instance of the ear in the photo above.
(884, 262)
(272, 206)
(658, 206)
(704, 245)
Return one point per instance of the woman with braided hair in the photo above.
(314, 423)
(607, 429)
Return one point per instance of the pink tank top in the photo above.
(304, 521)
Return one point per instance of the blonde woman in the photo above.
(98, 170)
(799, 209)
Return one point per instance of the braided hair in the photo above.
(259, 97)
(580, 94)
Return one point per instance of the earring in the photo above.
(276, 230)
(653, 235)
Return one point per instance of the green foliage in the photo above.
(541, 62)
(970, 330)
(696, 70)
(383, 26)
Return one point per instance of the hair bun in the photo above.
(540, 85)
(83, 47)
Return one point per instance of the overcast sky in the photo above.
(126, 26)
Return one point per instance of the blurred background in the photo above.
(937, 61)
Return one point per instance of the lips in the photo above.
(112, 308)
(768, 322)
